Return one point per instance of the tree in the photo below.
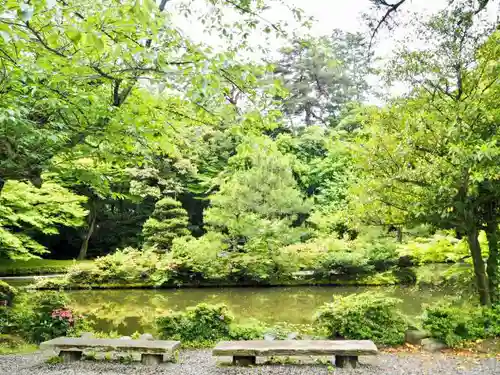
(168, 221)
(432, 157)
(107, 56)
(259, 201)
(385, 12)
(26, 212)
(322, 76)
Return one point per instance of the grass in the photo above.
(10, 344)
(33, 267)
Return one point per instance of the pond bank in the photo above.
(196, 362)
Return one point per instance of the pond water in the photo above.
(127, 311)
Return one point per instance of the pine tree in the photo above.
(168, 221)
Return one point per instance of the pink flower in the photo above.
(221, 317)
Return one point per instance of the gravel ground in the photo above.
(200, 362)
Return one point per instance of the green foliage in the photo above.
(12, 344)
(455, 325)
(41, 317)
(322, 76)
(126, 266)
(168, 221)
(249, 330)
(38, 266)
(26, 211)
(363, 316)
(203, 325)
(7, 293)
(203, 322)
(257, 205)
(436, 249)
(54, 360)
(205, 258)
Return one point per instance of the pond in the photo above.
(127, 311)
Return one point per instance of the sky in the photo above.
(327, 15)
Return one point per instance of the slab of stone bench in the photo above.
(71, 348)
(346, 352)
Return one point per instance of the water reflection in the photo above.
(127, 311)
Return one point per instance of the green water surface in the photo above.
(128, 311)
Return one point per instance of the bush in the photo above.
(205, 258)
(200, 323)
(44, 317)
(167, 222)
(7, 294)
(364, 316)
(454, 325)
(251, 330)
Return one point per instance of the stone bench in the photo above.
(152, 351)
(346, 352)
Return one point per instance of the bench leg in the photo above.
(347, 361)
(70, 356)
(151, 359)
(244, 361)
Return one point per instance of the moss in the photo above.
(7, 293)
(11, 344)
(383, 278)
(38, 266)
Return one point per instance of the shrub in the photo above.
(46, 317)
(204, 258)
(168, 221)
(7, 294)
(364, 316)
(200, 323)
(251, 330)
(454, 325)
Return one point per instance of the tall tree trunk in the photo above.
(492, 264)
(85, 244)
(479, 268)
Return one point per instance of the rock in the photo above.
(415, 336)
(125, 338)
(269, 337)
(87, 335)
(432, 345)
(146, 336)
(292, 336)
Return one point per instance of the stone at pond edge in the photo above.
(146, 336)
(415, 336)
(87, 335)
(432, 345)
(125, 338)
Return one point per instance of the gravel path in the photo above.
(200, 362)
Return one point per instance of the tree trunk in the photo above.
(2, 183)
(399, 234)
(479, 269)
(85, 244)
(492, 264)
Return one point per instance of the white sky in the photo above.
(328, 15)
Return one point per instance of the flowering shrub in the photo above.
(49, 318)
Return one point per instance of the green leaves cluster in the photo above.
(26, 210)
(363, 316)
(168, 221)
